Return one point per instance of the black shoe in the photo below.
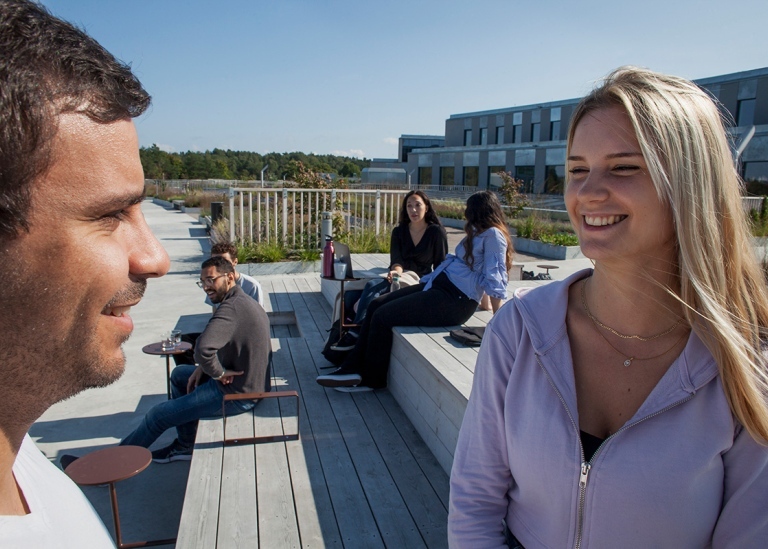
(173, 452)
(340, 378)
(66, 460)
(346, 343)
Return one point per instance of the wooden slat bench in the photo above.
(358, 476)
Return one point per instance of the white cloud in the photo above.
(391, 140)
(165, 148)
(352, 152)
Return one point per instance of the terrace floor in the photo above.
(368, 451)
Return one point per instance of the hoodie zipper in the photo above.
(586, 466)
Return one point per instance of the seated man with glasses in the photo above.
(250, 286)
(232, 356)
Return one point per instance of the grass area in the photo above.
(274, 252)
(546, 230)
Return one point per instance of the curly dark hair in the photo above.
(219, 263)
(430, 216)
(48, 67)
(483, 212)
(221, 248)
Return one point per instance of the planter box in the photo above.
(163, 203)
(452, 223)
(551, 251)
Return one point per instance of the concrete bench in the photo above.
(430, 376)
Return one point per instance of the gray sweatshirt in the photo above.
(236, 338)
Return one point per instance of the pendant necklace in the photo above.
(627, 359)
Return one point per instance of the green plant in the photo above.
(511, 194)
(546, 230)
(365, 242)
(560, 239)
(449, 209)
(261, 252)
(312, 254)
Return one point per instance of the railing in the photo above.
(293, 217)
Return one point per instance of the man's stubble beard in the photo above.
(44, 366)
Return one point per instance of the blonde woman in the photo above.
(626, 405)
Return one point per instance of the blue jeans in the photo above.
(373, 289)
(184, 410)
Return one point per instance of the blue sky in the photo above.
(349, 77)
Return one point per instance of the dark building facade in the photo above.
(529, 141)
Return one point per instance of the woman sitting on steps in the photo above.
(418, 244)
(446, 297)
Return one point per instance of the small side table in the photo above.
(547, 267)
(109, 466)
(343, 327)
(157, 349)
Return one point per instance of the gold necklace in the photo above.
(627, 359)
(619, 334)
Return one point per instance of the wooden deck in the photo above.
(359, 476)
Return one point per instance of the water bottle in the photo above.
(395, 283)
(328, 258)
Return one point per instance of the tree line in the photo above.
(243, 165)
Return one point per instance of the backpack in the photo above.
(471, 337)
(334, 357)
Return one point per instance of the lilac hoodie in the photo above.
(681, 473)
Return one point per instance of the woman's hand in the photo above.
(397, 271)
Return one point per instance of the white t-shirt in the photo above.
(250, 286)
(60, 515)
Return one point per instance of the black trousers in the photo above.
(442, 305)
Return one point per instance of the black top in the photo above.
(421, 259)
(590, 443)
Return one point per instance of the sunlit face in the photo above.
(416, 208)
(69, 283)
(216, 284)
(611, 199)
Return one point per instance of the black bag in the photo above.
(335, 357)
(471, 337)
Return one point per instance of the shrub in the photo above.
(261, 252)
(546, 230)
(511, 195)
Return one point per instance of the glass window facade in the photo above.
(414, 142)
(517, 127)
(447, 176)
(494, 181)
(517, 133)
(467, 138)
(500, 135)
(526, 173)
(471, 176)
(746, 112)
(756, 171)
(554, 131)
(536, 132)
(425, 176)
(483, 136)
(554, 183)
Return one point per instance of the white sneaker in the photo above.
(339, 378)
(358, 389)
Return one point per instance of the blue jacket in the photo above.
(682, 473)
(489, 270)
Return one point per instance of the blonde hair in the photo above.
(685, 146)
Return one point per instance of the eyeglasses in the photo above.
(202, 283)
